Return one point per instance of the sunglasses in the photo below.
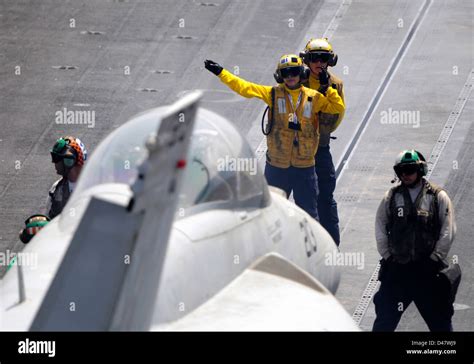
(290, 72)
(407, 169)
(314, 57)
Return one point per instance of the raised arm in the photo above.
(242, 87)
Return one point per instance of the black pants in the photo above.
(402, 284)
(302, 181)
(327, 206)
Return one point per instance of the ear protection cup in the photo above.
(305, 72)
(277, 76)
(333, 60)
(424, 164)
(69, 162)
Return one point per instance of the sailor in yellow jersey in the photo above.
(318, 55)
(293, 134)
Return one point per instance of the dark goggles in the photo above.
(56, 158)
(314, 57)
(407, 169)
(290, 72)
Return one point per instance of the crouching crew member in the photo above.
(68, 155)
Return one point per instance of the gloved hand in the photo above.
(323, 81)
(324, 77)
(213, 67)
(432, 267)
(33, 224)
(388, 260)
(25, 237)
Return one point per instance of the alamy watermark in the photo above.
(400, 117)
(28, 346)
(348, 259)
(237, 165)
(76, 117)
(9, 259)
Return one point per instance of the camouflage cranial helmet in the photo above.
(69, 149)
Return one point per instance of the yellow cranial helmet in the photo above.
(290, 65)
(289, 60)
(319, 49)
(318, 45)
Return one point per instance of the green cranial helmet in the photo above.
(411, 157)
(408, 156)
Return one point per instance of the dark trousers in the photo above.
(327, 206)
(402, 284)
(302, 181)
